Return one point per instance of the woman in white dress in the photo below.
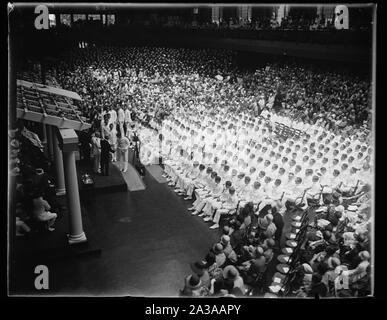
(96, 151)
(113, 140)
(123, 150)
(41, 211)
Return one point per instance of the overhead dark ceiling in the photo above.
(105, 7)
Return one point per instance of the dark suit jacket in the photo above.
(106, 148)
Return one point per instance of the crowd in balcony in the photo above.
(297, 20)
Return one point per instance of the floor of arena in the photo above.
(146, 239)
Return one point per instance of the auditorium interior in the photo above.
(208, 151)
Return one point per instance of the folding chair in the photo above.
(257, 284)
(294, 237)
(301, 199)
(287, 284)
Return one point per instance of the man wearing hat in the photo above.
(106, 149)
(200, 269)
(362, 268)
(96, 151)
(230, 272)
(220, 257)
(227, 249)
(193, 287)
(256, 269)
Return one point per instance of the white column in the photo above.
(77, 234)
(58, 160)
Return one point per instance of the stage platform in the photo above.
(132, 178)
(115, 182)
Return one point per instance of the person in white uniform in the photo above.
(121, 119)
(113, 140)
(113, 116)
(123, 144)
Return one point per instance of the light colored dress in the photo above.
(123, 148)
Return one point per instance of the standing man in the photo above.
(113, 116)
(121, 119)
(128, 119)
(96, 151)
(106, 148)
(113, 140)
(279, 223)
(85, 148)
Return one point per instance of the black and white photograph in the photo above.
(191, 150)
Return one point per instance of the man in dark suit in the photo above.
(106, 148)
(278, 221)
(85, 149)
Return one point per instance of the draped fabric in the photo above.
(33, 137)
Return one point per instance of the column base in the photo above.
(74, 239)
(60, 192)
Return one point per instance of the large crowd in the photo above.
(159, 79)
(245, 179)
(249, 147)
